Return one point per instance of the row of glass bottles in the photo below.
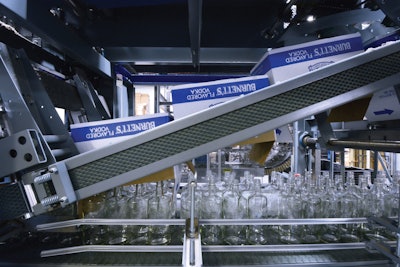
(142, 201)
(295, 196)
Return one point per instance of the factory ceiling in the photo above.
(192, 36)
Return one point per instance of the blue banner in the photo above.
(307, 53)
(116, 129)
(218, 90)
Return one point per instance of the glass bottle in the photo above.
(347, 203)
(272, 192)
(392, 197)
(211, 208)
(376, 203)
(363, 206)
(246, 182)
(246, 192)
(116, 208)
(288, 234)
(159, 207)
(92, 209)
(377, 195)
(137, 209)
(257, 209)
(312, 209)
(364, 193)
(186, 202)
(330, 232)
(232, 208)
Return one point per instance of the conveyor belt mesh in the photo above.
(235, 121)
(12, 202)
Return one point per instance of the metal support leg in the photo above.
(192, 245)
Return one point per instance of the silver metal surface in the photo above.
(79, 222)
(207, 249)
(388, 223)
(109, 248)
(21, 151)
(192, 251)
(385, 249)
(377, 146)
(181, 55)
(43, 199)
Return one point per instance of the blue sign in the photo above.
(306, 53)
(218, 90)
(116, 129)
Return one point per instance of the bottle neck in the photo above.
(159, 189)
(363, 184)
(339, 183)
(257, 186)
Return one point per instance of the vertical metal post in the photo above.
(192, 243)
(309, 163)
(157, 98)
(295, 167)
(342, 165)
(383, 163)
(192, 256)
(317, 165)
(219, 164)
(398, 234)
(131, 100)
(375, 171)
(331, 164)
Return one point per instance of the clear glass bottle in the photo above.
(92, 209)
(186, 202)
(289, 234)
(116, 208)
(211, 208)
(376, 204)
(347, 203)
(392, 197)
(330, 233)
(232, 208)
(272, 193)
(257, 209)
(159, 207)
(377, 195)
(312, 209)
(137, 209)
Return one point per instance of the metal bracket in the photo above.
(388, 223)
(49, 189)
(192, 244)
(20, 151)
(192, 255)
(384, 249)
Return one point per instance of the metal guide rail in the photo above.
(306, 247)
(315, 221)
(94, 172)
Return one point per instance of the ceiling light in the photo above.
(310, 18)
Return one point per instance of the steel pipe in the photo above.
(367, 145)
